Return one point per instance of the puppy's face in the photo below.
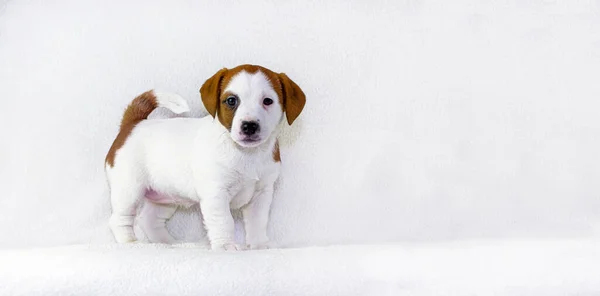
(249, 101)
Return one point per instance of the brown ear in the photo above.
(293, 98)
(211, 91)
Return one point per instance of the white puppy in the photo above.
(229, 160)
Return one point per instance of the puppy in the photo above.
(228, 160)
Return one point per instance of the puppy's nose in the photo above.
(249, 128)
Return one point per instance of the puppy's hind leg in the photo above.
(153, 221)
(124, 199)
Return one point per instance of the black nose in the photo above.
(249, 128)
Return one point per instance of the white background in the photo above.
(425, 120)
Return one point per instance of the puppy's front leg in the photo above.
(219, 223)
(256, 218)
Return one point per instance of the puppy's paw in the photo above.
(128, 240)
(261, 246)
(228, 247)
(234, 247)
(123, 235)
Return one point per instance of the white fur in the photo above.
(198, 159)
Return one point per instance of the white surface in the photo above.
(425, 120)
(467, 268)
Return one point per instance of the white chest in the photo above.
(244, 194)
(226, 169)
(246, 177)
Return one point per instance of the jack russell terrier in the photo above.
(229, 160)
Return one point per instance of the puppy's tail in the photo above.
(144, 104)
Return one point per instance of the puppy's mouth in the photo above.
(250, 141)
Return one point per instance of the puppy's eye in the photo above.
(267, 101)
(231, 101)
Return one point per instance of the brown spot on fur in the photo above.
(276, 155)
(211, 91)
(291, 97)
(226, 112)
(138, 110)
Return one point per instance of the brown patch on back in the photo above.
(138, 110)
(276, 155)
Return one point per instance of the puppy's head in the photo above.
(249, 101)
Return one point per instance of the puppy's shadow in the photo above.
(186, 225)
